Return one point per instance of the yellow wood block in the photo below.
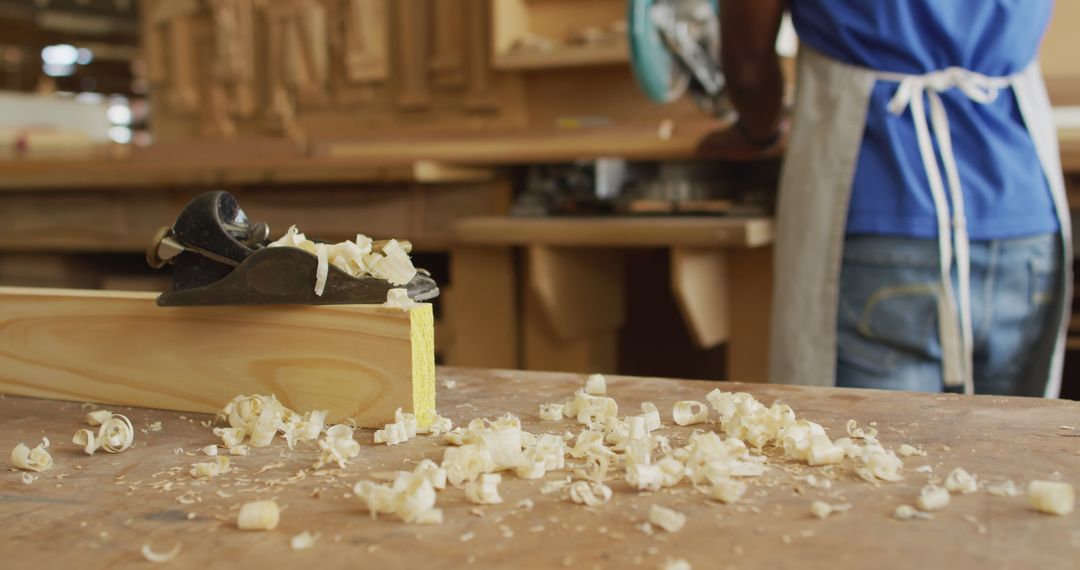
(357, 361)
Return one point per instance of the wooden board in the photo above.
(186, 166)
(542, 144)
(358, 361)
(92, 220)
(617, 231)
(96, 512)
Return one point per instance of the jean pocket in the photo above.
(1042, 287)
(884, 321)
(1043, 281)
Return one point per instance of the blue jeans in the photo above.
(887, 321)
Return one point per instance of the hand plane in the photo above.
(219, 257)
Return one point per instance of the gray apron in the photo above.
(815, 188)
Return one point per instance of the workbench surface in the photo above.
(97, 512)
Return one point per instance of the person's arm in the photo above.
(751, 66)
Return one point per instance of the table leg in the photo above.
(725, 295)
(481, 308)
(574, 306)
(750, 309)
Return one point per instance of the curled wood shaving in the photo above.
(158, 558)
(211, 468)
(689, 412)
(98, 417)
(551, 412)
(114, 435)
(652, 415)
(960, 481)
(932, 498)
(36, 459)
(398, 298)
(595, 385)
(411, 497)
(338, 446)
(439, 426)
(466, 462)
(588, 494)
(485, 489)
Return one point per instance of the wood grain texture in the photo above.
(367, 57)
(411, 19)
(448, 47)
(59, 520)
(358, 361)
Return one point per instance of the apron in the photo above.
(815, 188)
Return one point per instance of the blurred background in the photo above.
(564, 213)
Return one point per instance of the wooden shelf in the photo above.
(615, 52)
(632, 142)
(659, 231)
(196, 171)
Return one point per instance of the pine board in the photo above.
(358, 361)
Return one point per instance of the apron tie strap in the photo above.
(952, 224)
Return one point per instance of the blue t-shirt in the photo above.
(1005, 191)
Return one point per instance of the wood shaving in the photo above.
(667, 519)
(728, 491)
(907, 512)
(1005, 489)
(595, 385)
(211, 468)
(98, 417)
(933, 498)
(115, 433)
(960, 481)
(551, 412)
(589, 494)
(908, 450)
(36, 459)
(1052, 497)
(822, 510)
(338, 446)
(689, 412)
(258, 515)
(398, 298)
(676, 564)
(485, 489)
(158, 558)
(304, 541)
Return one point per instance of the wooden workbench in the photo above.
(571, 283)
(96, 512)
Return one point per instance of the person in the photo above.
(923, 238)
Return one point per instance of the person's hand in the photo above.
(730, 143)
